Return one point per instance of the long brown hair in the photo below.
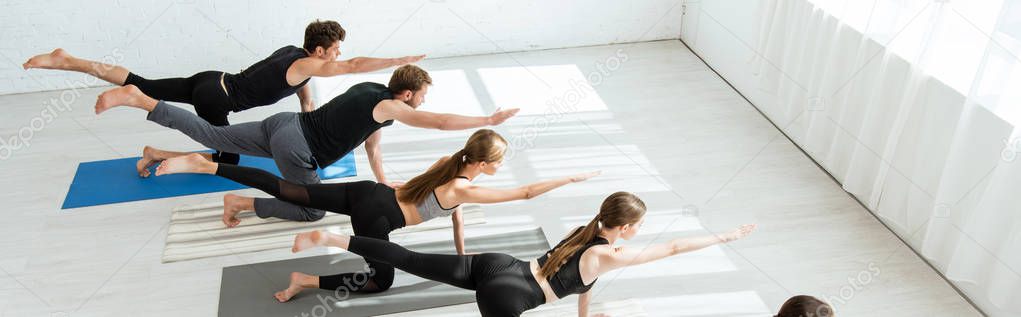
(484, 145)
(805, 306)
(618, 209)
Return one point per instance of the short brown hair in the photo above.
(323, 33)
(409, 77)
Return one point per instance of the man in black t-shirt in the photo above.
(215, 94)
(299, 143)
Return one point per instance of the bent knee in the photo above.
(377, 284)
(312, 214)
(382, 277)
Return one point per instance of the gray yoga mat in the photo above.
(247, 290)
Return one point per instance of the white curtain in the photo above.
(912, 106)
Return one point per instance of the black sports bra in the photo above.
(567, 280)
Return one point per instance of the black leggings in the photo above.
(372, 206)
(503, 285)
(202, 90)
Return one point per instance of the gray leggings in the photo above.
(278, 137)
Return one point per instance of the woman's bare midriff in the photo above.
(410, 211)
(411, 215)
(543, 283)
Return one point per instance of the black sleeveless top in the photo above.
(567, 280)
(265, 82)
(344, 122)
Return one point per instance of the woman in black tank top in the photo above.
(506, 286)
(214, 94)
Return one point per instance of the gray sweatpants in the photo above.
(278, 137)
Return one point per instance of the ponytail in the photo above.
(568, 248)
(484, 145)
(418, 189)
(618, 209)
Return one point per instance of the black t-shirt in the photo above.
(265, 82)
(345, 122)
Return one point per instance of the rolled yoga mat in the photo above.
(117, 181)
(247, 290)
(197, 231)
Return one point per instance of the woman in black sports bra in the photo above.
(214, 94)
(507, 286)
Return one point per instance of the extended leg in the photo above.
(124, 96)
(333, 197)
(61, 60)
(445, 268)
(247, 138)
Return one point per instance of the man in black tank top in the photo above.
(301, 142)
(215, 94)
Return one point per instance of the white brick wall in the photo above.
(178, 38)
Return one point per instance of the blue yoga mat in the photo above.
(116, 181)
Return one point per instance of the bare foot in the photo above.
(299, 282)
(232, 206)
(127, 95)
(191, 163)
(306, 240)
(147, 160)
(57, 59)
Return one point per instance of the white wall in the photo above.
(727, 34)
(175, 38)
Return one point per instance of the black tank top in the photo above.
(265, 82)
(567, 280)
(343, 123)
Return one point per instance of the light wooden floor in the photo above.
(659, 123)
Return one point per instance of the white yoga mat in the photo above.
(197, 231)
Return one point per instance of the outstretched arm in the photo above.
(623, 256)
(397, 110)
(371, 64)
(320, 68)
(305, 98)
(483, 195)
